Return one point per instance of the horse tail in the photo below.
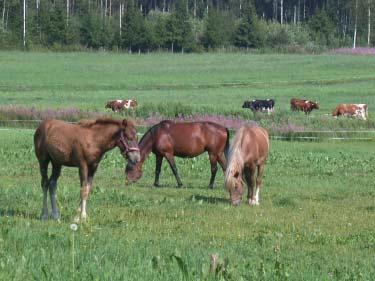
(226, 148)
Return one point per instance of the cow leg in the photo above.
(56, 171)
(159, 161)
(171, 162)
(43, 166)
(259, 179)
(213, 162)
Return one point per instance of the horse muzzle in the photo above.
(132, 154)
(236, 202)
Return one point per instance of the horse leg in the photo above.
(43, 165)
(222, 161)
(171, 162)
(84, 193)
(251, 182)
(259, 182)
(159, 161)
(213, 161)
(56, 170)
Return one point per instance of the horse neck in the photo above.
(107, 134)
(145, 146)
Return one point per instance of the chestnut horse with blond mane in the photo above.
(79, 145)
(247, 158)
(183, 139)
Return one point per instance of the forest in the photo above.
(186, 25)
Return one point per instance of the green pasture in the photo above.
(316, 220)
(205, 83)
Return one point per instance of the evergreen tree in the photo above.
(135, 35)
(218, 29)
(249, 33)
(56, 25)
(179, 29)
(322, 28)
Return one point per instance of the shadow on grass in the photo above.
(19, 213)
(209, 200)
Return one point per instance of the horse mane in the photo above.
(152, 129)
(100, 121)
(235, 159)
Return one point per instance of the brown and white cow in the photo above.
(351, 110)
(119, 105)
(303, 105)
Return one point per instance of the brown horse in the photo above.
(80, 145)
(247, 156)
(168, 139)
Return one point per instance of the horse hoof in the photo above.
(156, 185)
(56, 216)
(253, 202)
(44, 217)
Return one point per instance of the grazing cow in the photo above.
(119, 105)
(303, 105)
(351, 110)
(260, 105)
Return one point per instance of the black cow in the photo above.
(260, 105)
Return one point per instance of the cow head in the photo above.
(109, 104)
(314, 105)
(247, 104)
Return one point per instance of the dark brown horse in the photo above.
(247, 156)
(168, 139)
(80, 145)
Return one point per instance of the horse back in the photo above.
(57, 140)
(191, 139)
(256, 144)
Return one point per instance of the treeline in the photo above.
(185, 25)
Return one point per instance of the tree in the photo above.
(322, 28)
(218, 29)
(134, 34)
(179, 29)
(249, 33)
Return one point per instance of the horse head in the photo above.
(128, 142)
(133, 171)
(234, 184)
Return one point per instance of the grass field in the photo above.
(197, 83)
(316, 220)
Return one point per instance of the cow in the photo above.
(119, 105)
(303, 105)
(260, 105)
(351, 110)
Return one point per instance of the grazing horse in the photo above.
(168, 139)
(247, 157)
(79, 145)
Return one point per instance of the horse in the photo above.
(168, 139)
(247, 156)
(79, 145)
